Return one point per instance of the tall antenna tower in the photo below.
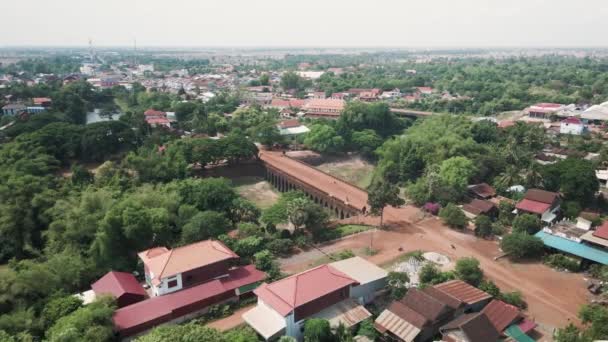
(134, 51)
(91, 51)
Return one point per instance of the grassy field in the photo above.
(351, 229)
(354, 170)
(257, 190)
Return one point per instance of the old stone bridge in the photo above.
(286, 173)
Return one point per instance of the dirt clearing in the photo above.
(257, 190)
(354, 170)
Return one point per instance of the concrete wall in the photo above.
(366, 293)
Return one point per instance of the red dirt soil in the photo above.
(554, 298)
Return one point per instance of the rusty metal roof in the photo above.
(347, 312)
(388, 321)
(463, 291)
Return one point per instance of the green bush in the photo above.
(522, 245)
(513, 298)
(453, 216)
(561, 261)
(483, 226)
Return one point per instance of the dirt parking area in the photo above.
(257, 190)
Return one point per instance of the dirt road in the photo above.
(553, 297)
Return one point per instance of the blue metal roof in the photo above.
(575, 248)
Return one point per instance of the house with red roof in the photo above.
(120, 285)
(572, 125)
(425, 90)
(169, 270)
(184, 282)
(179, 306)
(157, 118)
(324, 108)
(329, 291)
(544, 204)
(501, 314)
(42, 101)
(544, 110)
(597, 237)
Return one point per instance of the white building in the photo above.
(572, 125)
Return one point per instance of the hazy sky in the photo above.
(402, 23)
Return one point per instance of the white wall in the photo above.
(575, 129)
(163, 287)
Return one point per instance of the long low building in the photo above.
(185, 304)
(578, 249)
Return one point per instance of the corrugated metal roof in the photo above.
(118, 284)
(463, 291)
(515, 332)
(591, 237)
(360, 269)
(602, 231)
(164, 307)
(575, 248)
(289, 293)
(532, 206)
(265, 321)
(399, 327)
(347, 312)
(501, 314)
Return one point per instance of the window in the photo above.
(172, 283)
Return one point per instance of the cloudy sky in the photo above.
(314, 23)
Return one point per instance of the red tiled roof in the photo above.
(279, 103)
(295, 103)
(602, 231)
(325, 104)
(118, 284)
(289, 293)
(572, 120)
(153, 120)
(242, 276)
(463, 291)
(501, 314)
(163, 262)
(164, 308)
(289, 123)
(532, 206)
(41, 100)
(153, 112)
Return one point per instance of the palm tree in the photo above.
(507, 178)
